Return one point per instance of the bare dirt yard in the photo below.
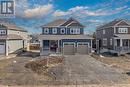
(121, 62)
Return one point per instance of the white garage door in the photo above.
(2, 48)
(83, 48)
(68, 48)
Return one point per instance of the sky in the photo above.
(31, 14)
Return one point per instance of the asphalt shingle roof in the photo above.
(55, 23)
(112, 23)
(11, 26)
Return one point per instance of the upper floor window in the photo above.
(54, 30)
(122, 30)
(46, 30)
(104, 32)
(2, 32)
(62, 30)
(74, 31)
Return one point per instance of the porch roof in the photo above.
(122, 36)
(59, 37)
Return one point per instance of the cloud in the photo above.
(85, 11)
(39, 11)
(70, 11)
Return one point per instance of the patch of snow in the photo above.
(101, 56)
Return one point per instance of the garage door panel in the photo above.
(83, 48)
(68, 49)
(2, 48)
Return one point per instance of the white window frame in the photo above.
(54, 30)
(2, 32)
(84, 43)
(69, 43)
(61, 31)
(46, 30)
(104, 41)
(104, 31)
(110, 41)
(122, 30)
(75, 31)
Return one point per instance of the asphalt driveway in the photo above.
(83, 69)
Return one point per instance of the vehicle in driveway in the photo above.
(66, 37)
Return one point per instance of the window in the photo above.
(104, 32)
(110, 41)
(104, 42)
(54, 30)
(74, 31)
(123, 30)
(2, 32)
(46, 30)
(63, 31)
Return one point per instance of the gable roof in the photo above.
(113, 23)
(11, 26)
(62, 22)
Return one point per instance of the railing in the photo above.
(124, 49)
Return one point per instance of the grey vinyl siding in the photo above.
(109, 33)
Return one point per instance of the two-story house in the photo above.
(64, 36)
(114, 36)
(12, 38)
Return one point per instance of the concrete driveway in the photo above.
(83, 69)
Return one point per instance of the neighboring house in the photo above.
(12, 38)
(114, 36)
(66, 37)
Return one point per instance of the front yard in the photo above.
(75, 69)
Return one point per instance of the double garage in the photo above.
(71, 48)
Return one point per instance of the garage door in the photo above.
(2, 48)
(68, 48)
(83, 48)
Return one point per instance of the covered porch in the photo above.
(122, 43)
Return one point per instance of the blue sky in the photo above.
(30, 14)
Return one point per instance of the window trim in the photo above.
(104, 31)
(123, 30)
(54, 30)
(3, 32)
(46, 29)
(75, 31)
(61, 30)
(104, 43)
(111, 40)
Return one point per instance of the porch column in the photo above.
(41, 47)
(91, 45)
(58, 45)
(7, 48)
(121, 43)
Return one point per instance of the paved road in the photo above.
(85, 69)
